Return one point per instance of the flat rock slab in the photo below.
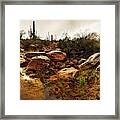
(65, 73)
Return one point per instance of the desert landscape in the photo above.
(64, 68)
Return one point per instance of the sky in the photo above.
(58, 27)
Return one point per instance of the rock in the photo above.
(53, 78)
(31, 89)
(22, 71)
(98, 68)
(75, 61)
(23, 61)
(38, 65)
(57, 65)
(33, 54)
(56, 55)
(32, 75)
(38, 62)
(62, 66)
(64, 74)
(67, 72)
(94, 57)
(68, 65)
(45, 58)
(92, 61)
(81, 61)
(22, 50)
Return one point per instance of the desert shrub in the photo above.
(82, 82)
(82, 47)
(89, 82)
(38, 44)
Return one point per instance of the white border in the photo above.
(104, 106)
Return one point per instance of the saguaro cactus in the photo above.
(33, 29)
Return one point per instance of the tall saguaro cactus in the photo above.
(33, 29)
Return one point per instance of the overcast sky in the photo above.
(57, 27)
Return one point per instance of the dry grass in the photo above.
(31, 89)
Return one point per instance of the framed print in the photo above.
(60, 59)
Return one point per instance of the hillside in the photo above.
(65, 69)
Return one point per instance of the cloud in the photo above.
(57, 27)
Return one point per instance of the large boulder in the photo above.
(56, 55)
(92, 61)
(38, 66)
(38, 62)
(67, 72)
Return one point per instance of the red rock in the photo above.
(53, 77)
(56, 55)
(38, 63)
